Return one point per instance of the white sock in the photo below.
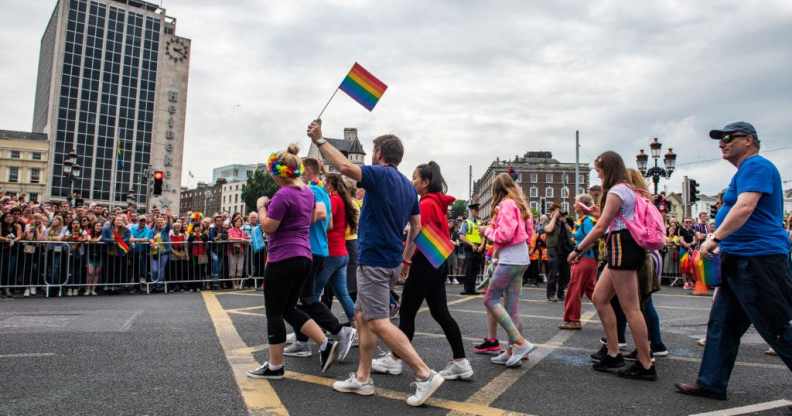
(324, 344)
(274, 367)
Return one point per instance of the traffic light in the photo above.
(158, 175)
(713, 210)
(693, 192)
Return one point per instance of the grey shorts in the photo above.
(373, 291)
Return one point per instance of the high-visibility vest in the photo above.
(472, 233)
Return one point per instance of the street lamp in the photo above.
(656, 172)
(71, 170)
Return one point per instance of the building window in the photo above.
(35, 175)
(582, 190)
(548, 178)
(236, 198)
(534, 205)
(533, 192)
(565, 179)
(33, 196)
(582, 179)
(534, 178)
(36, 155)
(565, 206)
(15, 154)
(549, 192)
(547, 206)
(13, 174)
(565, 192)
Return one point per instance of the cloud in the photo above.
(468, 81)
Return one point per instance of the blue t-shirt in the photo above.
(389, 203)
(763, 234)
(583, 229)
(318, 232)
(136, 232)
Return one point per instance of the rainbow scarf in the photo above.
(363, 87)
(318, 182)
(434, 245)
(120, 242)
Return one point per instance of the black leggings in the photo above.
(283, 283)
(426, 282)
(311, 306)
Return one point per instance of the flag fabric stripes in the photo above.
(434, 245)
(363, 87)
(120, 242)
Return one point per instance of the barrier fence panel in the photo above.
(67, 268)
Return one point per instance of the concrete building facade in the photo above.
(231, 198)
(543, 180)
(236, 172)
(205, 198)
(112, 85)
(23, 164)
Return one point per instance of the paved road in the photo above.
(185, 354)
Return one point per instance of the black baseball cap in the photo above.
(737, 127)
(474, 205)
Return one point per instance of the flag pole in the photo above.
(319, 117)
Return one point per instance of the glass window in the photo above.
(549, 192)
(534, 178)
(565, 206)
(15, 154)
(547, 206)
(35, 175)
(565, 192)
(565, 179)
(548, 178)
(13, 174)
(534, 205)
(533, 192)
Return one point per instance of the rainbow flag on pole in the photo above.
(363, 87)
(434, 245)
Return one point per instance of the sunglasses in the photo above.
(728, 138)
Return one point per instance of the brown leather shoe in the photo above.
(695, 390)
(570, 325)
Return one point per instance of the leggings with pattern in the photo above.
(506, 283)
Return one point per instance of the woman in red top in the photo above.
(425, 282)
(334, 269)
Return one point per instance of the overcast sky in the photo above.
(467, 81)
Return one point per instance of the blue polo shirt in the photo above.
(318, 231)
(389, 203)
(136, 232)
(763, 234)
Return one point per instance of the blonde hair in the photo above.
(286, 165)
(503, 187)
(637, 181)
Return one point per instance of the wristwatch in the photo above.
(577, 250)
(716, 239)
(321, 141)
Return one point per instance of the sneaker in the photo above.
(265, 372)
(701, 342)
(489, 346)
(483, 284)
(570, 325)
(356, 340)
(771, 352)
(291, 338)
(633, 356)
(608, 363)
(518, 353)
(638, 372)
(600, 354)
(501, 358)
(345, 338)
(328, 355)
(425, 389)
(298, 349)
(353, 385)
(622, 345)
(32, 291)
(660, 351)
(27, 293)
(457, 369)
(87, 292)
(387, 364)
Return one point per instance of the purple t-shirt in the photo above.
(293, 207)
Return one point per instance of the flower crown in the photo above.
(278, 168)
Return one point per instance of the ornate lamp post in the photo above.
(71, 170)
(656, 172)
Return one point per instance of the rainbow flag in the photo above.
(363, 87)
(434, 245)
(708, 269)
(120, 242)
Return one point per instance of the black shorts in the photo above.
(623, 252)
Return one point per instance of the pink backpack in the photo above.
(646, 227)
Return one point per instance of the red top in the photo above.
(336, 237)
(433, 211)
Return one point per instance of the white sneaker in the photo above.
(32, 291)
(518, 353)
(425, 389)
(291, 338)
(298, 349)
(501, 359)
(457, 369)
(345, 338)
(27, 293)
(387, 365)
(87, 292)
(353, 385)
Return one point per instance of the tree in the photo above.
(459, 209)
(259, 184)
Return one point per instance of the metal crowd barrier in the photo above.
(61, 267)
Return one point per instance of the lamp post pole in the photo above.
(656, 172)
(71, 171)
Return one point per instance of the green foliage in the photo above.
(259, 184)
(459, 209)
(535, 213)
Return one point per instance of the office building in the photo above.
(23, 164)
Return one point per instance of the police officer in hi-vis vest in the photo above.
(474, 249)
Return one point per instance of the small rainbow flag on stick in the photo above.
(434, 245)
(363, 87)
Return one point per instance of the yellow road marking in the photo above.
(463, 407)
(259, 396)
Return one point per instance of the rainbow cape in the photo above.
(120, 241)
(363, 87)
(434, 245)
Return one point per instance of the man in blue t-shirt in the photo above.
(391, 202)
(756, 286)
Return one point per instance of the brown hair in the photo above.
(337, 183)
(614, 172)
(391, 148)
(313, 165)
(503, 187)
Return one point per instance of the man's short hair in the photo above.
(313, 164)
(391, 148)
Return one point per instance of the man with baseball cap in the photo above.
(756, 285)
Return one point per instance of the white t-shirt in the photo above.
(516, 254)
(627, 209)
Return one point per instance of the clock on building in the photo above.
(177, 50)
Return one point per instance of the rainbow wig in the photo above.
(278, 168)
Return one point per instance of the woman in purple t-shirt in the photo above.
(286, 219)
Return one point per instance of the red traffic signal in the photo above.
(158, 176)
